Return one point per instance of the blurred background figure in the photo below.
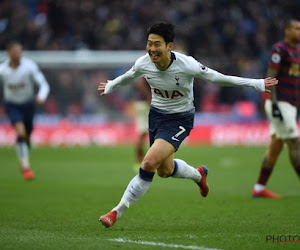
(141, 106)
(281, 107)
(18, 76)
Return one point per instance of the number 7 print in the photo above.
(182, 130)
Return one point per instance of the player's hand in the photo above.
(269, 82)
(39, 101)
(276, 112)
(101, 87)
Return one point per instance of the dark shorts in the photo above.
(21, 113)
(173, 128)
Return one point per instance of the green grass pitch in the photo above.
(74, 186)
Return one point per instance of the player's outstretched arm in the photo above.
(269, 82)
(101, 87)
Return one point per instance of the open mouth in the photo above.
(154, 55)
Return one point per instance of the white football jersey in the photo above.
(18, 84)
(172, 89)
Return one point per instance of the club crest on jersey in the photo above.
(276, 58)
(203, 69)
(167, 94)
(177, 79)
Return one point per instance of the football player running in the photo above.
(18, 76)
(170, 75)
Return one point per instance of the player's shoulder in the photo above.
(143, 62)
(186, 63)
(28, 62)
(280, 47)
(185, 59)
(143, 59)
(29, 65)
(4, 65)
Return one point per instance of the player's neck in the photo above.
(164, 64)
(14, 63)
(292, 43)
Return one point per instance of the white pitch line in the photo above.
(161, 244)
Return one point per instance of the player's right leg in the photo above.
(158, 152)
(269, 161)
(178, 168)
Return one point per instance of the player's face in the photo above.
(15, 52)
(157, 48)
(294, 31)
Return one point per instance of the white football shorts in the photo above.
(286, 129)
(142, 110)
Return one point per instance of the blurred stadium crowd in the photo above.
(233, 37)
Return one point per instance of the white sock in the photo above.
(135, 189)
(259, 187)
(184, 170)
(23, 154)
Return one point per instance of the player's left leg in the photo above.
(294, 153)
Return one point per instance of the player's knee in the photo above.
(149, 164)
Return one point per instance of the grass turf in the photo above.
(74, 186)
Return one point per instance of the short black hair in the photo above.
(288, 23)
(12, 43)
(165, 30)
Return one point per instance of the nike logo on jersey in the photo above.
(149, 77)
